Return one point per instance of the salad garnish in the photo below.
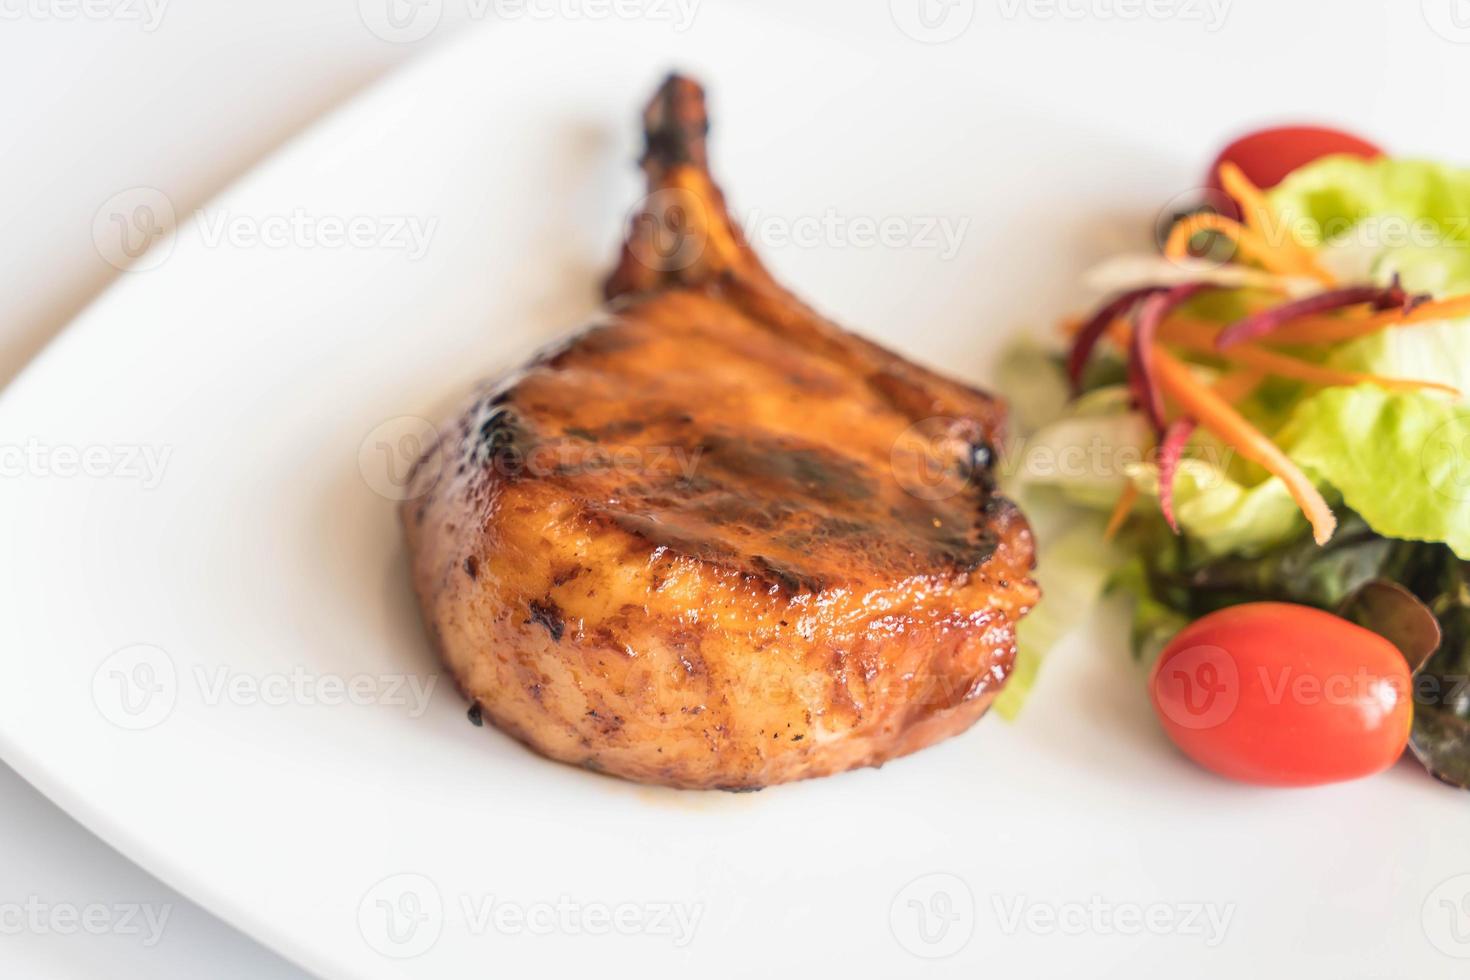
(1265, 322)
(1149, 309)
(1281, 386)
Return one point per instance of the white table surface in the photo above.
(97, 104)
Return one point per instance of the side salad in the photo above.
(1269, 421)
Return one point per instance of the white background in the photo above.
(97, 105)
(93, 107)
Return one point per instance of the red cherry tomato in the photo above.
(1268, 155)
(1283, 695)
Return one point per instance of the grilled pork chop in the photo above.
(715, 541)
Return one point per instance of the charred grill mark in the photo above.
(548, 614)
(622, 428)
(664, 534)
(777, 467)
(790, 581)
(497, 435)
(597, 341)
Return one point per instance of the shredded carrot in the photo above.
(1239, 384)
(1121, 510)
(1252, 245)
(1253, 206)
(1335, 329)
(1200, 338)
(1261, 219)
(1217, 415)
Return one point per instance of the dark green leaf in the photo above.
(1397, 615)
(1441, 734)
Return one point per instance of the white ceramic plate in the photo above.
(191, 621)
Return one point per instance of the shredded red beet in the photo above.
(1092, 332)
(1171, 451)
(1270, 320)
(1142, 376)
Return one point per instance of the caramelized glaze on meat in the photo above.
(714, 540)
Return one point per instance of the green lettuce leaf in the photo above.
(1400, 459)
(1425, 352)
(1383, 216)
(1072, 568)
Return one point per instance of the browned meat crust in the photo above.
(714, 540)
